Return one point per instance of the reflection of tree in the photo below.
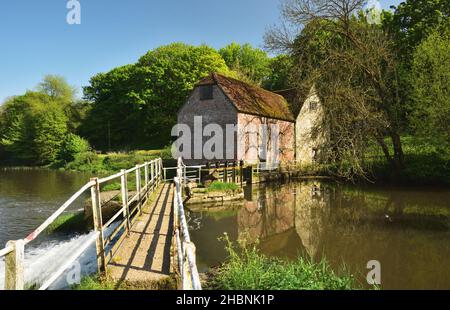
(312, 203)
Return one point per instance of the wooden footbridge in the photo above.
(146, 241)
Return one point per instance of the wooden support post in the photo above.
(152, 174)
(147, 185)
(124, 191)
(225, 173)
(233, 172)
(138, 188)
(160, 169)
(98, 225)
(241, 172)
(14, 271)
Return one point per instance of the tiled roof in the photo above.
(250, 99)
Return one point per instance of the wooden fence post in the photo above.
(147, 185)
(14, 271)
(98, 225)
(126, 207)
(138, 188)
(233, 173)
(225, 172)
(241, 172)
(152, 174)
(187, 283)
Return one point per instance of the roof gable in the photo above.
(250, 99)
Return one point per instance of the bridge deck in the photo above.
(144, 255)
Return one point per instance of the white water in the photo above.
(43, 261)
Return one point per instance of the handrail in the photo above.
(14, 273)
(57, 213)
(185, 247)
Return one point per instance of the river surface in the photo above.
(406, 229)
(27, 198)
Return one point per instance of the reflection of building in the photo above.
(274, 214)
(312, 203)
(270, 212)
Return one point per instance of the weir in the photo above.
(146, 240)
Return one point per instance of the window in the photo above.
(314, 152)
(313, 106)
(206, 92)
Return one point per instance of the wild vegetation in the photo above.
(247, 269)
(381, 85)
(370, 76)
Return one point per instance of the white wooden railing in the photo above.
(14, 250)
(187, 266)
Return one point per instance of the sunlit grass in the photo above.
(247, 269)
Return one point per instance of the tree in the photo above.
(135, 106)
(50, 130)
(430, 81)
(412, 22)
(72, 146)
(57, 88)
(252, 64)
(280, 73)
(34, 125)
(352, 64)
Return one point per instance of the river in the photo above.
(406, 229)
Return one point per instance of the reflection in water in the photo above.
(407, 230)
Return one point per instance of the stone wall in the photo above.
(284, 147)
(307, 140)
(219, 111)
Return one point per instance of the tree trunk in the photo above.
(399, 157)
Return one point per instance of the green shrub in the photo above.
(247, 269)
(87, 162)
(223, 187)
(72, 146)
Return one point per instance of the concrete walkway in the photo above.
(144, 255)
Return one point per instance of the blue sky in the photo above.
(36, 40)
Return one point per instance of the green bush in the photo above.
(87, 162)
(72, 146)
(248, 269)
(223, 187)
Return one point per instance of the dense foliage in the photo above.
(430, 85)
(34, 126)
(135, 106)
(376, 82)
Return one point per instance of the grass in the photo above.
(425, 164)
(248, 269)
(223, 187)
(68, 223)
(94, 283)
(113, 162)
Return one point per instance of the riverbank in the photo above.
(425, 164)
